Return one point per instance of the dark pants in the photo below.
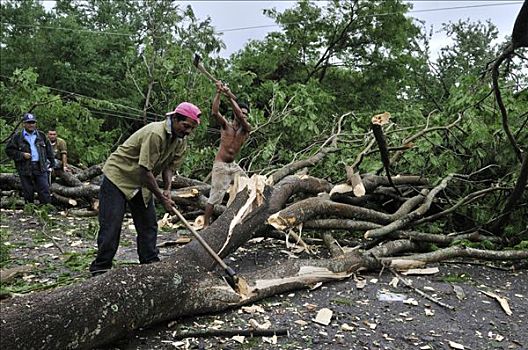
(37, 180)
(112, 206)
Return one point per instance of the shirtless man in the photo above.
(232, 137)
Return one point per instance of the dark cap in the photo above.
(28, 118)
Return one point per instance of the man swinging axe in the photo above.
(233, 134)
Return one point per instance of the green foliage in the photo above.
(485, 244)
(4, 247)
(79, 262)
(87, 144)
(521, 246)
(342, 301)
(456, 278)
(41, 212)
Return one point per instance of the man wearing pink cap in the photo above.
(130, 178)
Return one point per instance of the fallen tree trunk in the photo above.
(109, 306)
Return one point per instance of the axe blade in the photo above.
(197, 59)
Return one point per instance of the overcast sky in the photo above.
(228, 16)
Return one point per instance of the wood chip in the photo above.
(502, 301)
(394, 282)
(426, 271)
(310, 307)
(459, 292)
(323, 316)
(270, 340)
(429, 312)
(253, 309)
(239, 338)
(345, 327)
(405, 264)
(341, 188)
(456, 345)
(315, 286)
(360, 282)
(410, 301)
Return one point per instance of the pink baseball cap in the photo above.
(189, 110)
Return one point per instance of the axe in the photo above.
(197, 62)
(238, 284)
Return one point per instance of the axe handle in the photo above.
(204, 244)
(231, 95)
(202, 69)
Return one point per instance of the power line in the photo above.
(108, 112)
(101, 110)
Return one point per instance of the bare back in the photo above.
(232, 137)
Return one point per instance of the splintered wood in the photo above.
(381, 119)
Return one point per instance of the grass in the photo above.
(341, 301)
(456, 278)
(4, 248)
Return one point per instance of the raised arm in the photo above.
(216, 105)
(239, 115)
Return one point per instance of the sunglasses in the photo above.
(30, 122)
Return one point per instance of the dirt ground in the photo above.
(369, 311)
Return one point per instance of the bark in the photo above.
(310, 208)
(90, 173)
(70, 202)
(110, 306)
(418, 213)
(376, 124)
(84, 191)
(465, 252)
(67, 178)
(293, 167)
(12, 181)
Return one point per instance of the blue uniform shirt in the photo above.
(31, 138)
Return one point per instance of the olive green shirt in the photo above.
(151, 147)
(59, 148)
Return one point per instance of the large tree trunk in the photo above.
(109, 306)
